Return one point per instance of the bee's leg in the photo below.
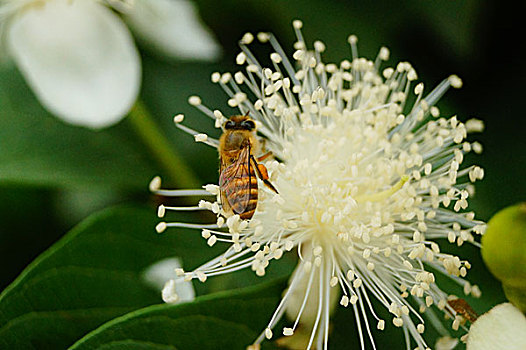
(265, 156)
(262, 173)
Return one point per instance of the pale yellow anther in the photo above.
(455, 81)
(178, 118)
(161, 210)
(161, 227)
(384, 53)
(420, 328)
(241, 58)
(297, 24)
(352, 39)
(268, 333)
(263, 37)
(155, 184)
(212, 240)
(247, 38)
(380, 325)
(194, 100)
(215, 77)
(288, 331)
(201, 137)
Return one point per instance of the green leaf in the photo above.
(87, 278)
(20, 243)
(227, 320)
(90, 276)
(95, 273)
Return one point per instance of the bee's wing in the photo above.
(223, 180)
(235, 181)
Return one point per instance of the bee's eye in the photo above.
(229, 125)
(248, 125)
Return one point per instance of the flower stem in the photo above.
(160, 148)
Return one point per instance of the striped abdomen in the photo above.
(242, 193)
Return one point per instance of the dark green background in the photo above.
(52, 175)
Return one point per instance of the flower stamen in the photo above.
(380, 196)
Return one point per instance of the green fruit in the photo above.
(504, 251)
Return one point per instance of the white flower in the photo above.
(368, 177)
(501, 328)
(79, 57)
(174, 28)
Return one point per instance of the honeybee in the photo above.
(462, 308)
(238, 167)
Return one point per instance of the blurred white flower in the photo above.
(174, 28)
(79, 57)
(172, 291)
(501, 328)
(446, 343)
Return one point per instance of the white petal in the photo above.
(174, 28)
(169, 293)
(79, 58)
(501, 328)
(158, 273)
(446, 343)
(310, 311)
(174, 290)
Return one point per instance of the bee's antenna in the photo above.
(247, 113)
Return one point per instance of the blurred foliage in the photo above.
(40, 150)
(238, 317)
(95, 273)
(52, 175)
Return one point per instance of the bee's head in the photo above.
(240, 122)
